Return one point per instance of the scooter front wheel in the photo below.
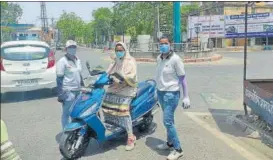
(72, 145)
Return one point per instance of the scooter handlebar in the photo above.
(116, 78)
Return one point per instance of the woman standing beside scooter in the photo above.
(116, 105)
(69, 79)
(170, 75)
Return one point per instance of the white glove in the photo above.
(186, 103)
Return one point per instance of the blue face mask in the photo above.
(164, 48)
(71, 51)
(120, 54)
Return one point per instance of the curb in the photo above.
(250, 130)
(215, 57)
(227, 52)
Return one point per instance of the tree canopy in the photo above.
(10, 14)
(70, 25)
(130, 18)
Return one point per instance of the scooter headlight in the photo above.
(90, 110)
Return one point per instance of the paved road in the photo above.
(33, 118)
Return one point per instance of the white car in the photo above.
(27, 66)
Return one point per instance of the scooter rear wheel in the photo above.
(68, 140)
(147, 121)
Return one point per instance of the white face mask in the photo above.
(71, 51)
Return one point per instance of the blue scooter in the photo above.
(87, 117)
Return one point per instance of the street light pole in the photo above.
(245, 52)
(96, 41)
(158, 27)
(176, 23)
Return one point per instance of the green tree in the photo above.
(89, 37)
(188, 10)
(71, 25)
(10, 14)
(103, 23)
(133, 18)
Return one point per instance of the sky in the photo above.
(31, 10)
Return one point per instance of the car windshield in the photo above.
(19, 53)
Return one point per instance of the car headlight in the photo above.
(90, 110)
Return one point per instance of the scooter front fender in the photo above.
(73, 126)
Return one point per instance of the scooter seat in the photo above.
(142, 87)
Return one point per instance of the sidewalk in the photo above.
(240, 49)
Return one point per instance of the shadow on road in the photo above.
(12, 97)
(221, 117)
(152, 142)
(58, 137)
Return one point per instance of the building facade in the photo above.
(237, 8)
(17, 31)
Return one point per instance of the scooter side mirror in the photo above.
(96, 71)
(87, 65)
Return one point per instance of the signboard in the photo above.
(253, 30)
(251, 18)
(259, 25)
(260, 101)
(213, 26)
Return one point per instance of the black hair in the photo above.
(119, 45)
(166, 37)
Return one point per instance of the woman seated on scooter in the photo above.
(116, 105)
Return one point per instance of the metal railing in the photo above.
(184, 50)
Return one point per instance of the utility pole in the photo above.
(96, 38)
(52, 22)
(176, 23)
(209, 28)
(158, 24)
(53, 29)
(155, 22)
(44, 21)
(245, 50)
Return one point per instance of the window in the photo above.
(34, 35)
(262, 41)
(22, 53)
(270, 41)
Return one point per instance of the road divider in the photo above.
(215, 57)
